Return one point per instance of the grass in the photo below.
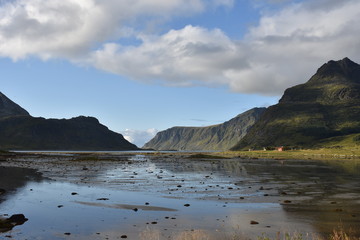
(303, 154)
(198, 234)
(337, 234)
(206, 156)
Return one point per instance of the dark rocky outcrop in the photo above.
(326, 106)
(217, 137)
(9, 223)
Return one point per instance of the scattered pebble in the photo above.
(102, 199)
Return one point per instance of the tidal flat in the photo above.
(115, 195)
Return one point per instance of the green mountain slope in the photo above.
(326, 106)
(20, 131)
(217, 137)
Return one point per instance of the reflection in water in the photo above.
(12, 178)
(132, 194)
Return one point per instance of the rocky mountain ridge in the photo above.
(326, 106)
(20, 131)
(9, 108)
(217, 137)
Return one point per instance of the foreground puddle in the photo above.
(63, 210)
(155, 198)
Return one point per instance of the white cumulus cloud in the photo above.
(192, 55)
(139, 137)
(71, 28)
(284, 49)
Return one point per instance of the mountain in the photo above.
(20, 131)
(9, 108)
(217, 137)
(328, 105)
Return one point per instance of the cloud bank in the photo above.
(281, 51)
(139, 137)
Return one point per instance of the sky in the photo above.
(142, 66)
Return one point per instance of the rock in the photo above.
(187, 205)
(2, 191)
(68, 234)
(123, 236)
(254, 222)
(102, 199)
(17, 219)
(74, 193)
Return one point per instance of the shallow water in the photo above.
(145, 197)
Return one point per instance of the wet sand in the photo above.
(217, 198)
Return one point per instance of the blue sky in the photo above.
(146, 65)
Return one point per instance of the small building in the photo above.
(280, 149)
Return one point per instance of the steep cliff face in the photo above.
(328, 105)
(8, 108)
(217, 137)
(20, 131)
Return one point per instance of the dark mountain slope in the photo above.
(9, 108)
(217, 137)
(20, 131)
(81, 133)
(327, 105)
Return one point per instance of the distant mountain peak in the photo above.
(9, 108)
(334, 81)
(324, 107)
(344, 69)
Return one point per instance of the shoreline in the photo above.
(226, 181)
(307, 154)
